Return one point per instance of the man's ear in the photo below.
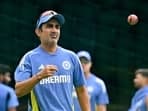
(37, 31)
(91, 64)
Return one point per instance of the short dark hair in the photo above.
(143, 72)
(40, 27)
(4, 68)
(84, 60)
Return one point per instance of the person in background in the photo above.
(96, 88)
(140, 99)
(9, 101)
(6, 73)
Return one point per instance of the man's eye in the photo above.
(53, 26)
(49, 25)
(57, 26)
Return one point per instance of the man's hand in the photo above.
(48, 71)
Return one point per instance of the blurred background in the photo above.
(98, 26)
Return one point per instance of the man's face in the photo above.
(49, 33)
(5, 78)
(140, 80)
(86, 65)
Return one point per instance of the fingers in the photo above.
(51, 68)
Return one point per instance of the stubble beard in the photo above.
(51, 43)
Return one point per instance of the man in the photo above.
(49, 71)
(140, 99)
(8, 97)
(97, 90)
(6, 75)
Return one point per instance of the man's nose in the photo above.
(54, 29)
(9, 79)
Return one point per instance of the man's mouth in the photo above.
(53, 36)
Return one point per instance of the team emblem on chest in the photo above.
(66, 65)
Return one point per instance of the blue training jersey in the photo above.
(138, 101)
(97, 93)
(7, 97)
(52, 93)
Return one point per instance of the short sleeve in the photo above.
(23, 70)
(102, 97)
(78, 75)
(13, 101)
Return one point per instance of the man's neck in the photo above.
(87, 74)
(50, 49)
(144, 85)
